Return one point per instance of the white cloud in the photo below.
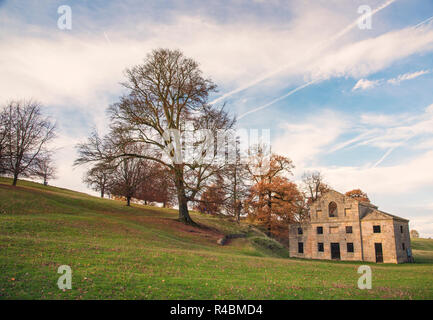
(408, 76)
(365, 57)
(385, 180)
(303, 141)
(364, 84)
(374, 119)
(307, 141)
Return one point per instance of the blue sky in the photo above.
(366, 119)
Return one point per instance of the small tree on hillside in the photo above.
(128, 173)
(44, 168)
(27, 134)
(157, 186)
(414, 234)
(98, 178)
(127, 178)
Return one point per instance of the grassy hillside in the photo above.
(142, 252)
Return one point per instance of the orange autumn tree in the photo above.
(358, 194)
(273, 201)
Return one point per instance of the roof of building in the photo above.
(374, 210)
(373, 214)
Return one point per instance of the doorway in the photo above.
(379, 253)
(335, 251)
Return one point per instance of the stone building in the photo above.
(344, 228)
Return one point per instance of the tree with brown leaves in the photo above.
(157, 186)
(274, 204)
(274, 200)
(213, 198)
(358, 194)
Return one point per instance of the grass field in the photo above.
(142, 252)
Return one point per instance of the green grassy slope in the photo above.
(142, 252)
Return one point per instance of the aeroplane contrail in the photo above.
(321, 46)
(423, 22)
(279, 98)
(340, 34)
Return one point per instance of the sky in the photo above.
(352, 100)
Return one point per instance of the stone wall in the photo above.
(385, 237)
(400, 238)
(295, 238)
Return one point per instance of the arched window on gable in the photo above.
(333, 211)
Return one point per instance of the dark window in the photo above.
(403, 246)
(376, 229)
(401, 229)
(348, 229)
(320, 246)
(333, 212)
(300, 231)
(319, 230)
(300, 247)
(349, 247)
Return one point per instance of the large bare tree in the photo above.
(27, 135)
(167, 100)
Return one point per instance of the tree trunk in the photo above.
(128, 201)
(102, 192)
(181, 197)
(238, 211)
(183, 209)
(14, 182)
(235, 196)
